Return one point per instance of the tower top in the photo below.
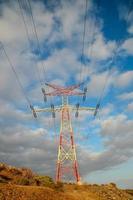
(64, 91)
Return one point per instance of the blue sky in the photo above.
(105, 143)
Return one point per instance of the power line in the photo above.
(93, 32)
(37, 39)
(17, 78)
(15, 73)
(27, 3)
(28, 36)
(113, 60)
(83, 41)
(82, 60)
(39, 48)
(23, 18)
(91, 39)
(83, 44)
(130, 9)
(38, 42)
(116, 51)
(84, 35)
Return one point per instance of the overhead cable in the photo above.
(28, 36)
(43, 67)
(83, 41)
(23, 18)
(113, 59)
(15, 73)
(36, 35)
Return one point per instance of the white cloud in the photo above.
(125, 183)
(28, 148)
(116, 124)
(70, 17)
(125, 13)
(130, 107)
(130, 29)
(106, 111)
(128, 46)
(61, 64)
(126, 96)
(10, 23)
(105, 79)
(43, 19)
(96, 84)
(11, 19)
(21, 140)
(118, 141)
(102, 49)
(123, 79)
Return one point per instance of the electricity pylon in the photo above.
(66, 162)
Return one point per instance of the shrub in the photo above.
(2, 166)
(27, 172)
(113, 185)
(44, 181)
(95, 185)
(22, 181)
(15, 171)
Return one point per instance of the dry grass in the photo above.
(13, 192)
(129, 192)
(23, 184)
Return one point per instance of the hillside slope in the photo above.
(23, 184)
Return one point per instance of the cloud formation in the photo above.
(60, 27)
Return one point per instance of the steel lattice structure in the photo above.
(67, 166)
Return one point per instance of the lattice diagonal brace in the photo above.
(67, 163)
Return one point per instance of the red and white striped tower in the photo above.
(67, 167)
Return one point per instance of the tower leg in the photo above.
(67, 167)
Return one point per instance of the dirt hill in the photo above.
(23, 184)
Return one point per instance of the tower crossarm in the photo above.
(83, 108)
(56, 109)
(59, 108)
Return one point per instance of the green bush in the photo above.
(23, 181)
(44, 181)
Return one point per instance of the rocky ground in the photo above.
(23, 184)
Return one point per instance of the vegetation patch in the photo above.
(44, 181)
(22, 181)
